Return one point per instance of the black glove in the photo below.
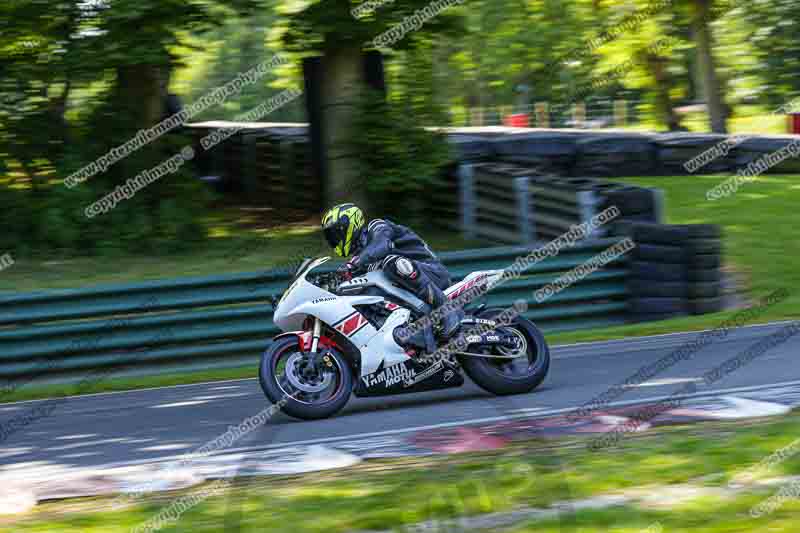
(345, 271)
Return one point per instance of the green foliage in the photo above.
(398, 160)
(79, 78)
(52, 219)
(76, 80)
(236, 46)
(323, 24)
(772, 31)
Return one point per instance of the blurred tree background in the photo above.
(80, 77)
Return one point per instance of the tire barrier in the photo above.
(637, 204)
(544, 151)
(616, 154)
(497, 203)
(471, 148)
(704, 260)
(675, 149)
(675, 270)
(270, 165)
(225, 321)
(560, 203)
(254, 161)
(447, 194)
(752, 149)
(512, 203)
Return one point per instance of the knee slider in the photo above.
(405, 268)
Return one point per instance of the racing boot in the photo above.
(415, 342)
(447, 314)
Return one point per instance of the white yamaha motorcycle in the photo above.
(340, 337)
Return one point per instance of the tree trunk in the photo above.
(140, 92)
(58, 108)
(658, 67)
(139, 103)
(705, 58)
(60, 126)
(342, 83)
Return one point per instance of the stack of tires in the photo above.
(615, 154)
(675, 270)
(704, 264)
(636, 204)
(546, 152)
(676, 149)
(754, 148)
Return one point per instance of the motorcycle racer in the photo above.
(400, 253)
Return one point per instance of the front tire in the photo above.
(490, 375)
(296, 403)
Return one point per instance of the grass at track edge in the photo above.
(382, 494)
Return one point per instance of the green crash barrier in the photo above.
(226, 321)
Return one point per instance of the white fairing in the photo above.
(383, 347)
(481, 276)
(304, 299)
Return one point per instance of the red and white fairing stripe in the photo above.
(351, 324)
(465, 286)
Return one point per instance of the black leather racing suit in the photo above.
(407, 260)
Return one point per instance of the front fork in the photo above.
(313, 354)
(316, 335)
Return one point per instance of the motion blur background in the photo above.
(79, 78)
(620, 93)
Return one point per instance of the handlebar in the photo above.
(331, 280)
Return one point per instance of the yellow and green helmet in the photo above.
(342, 225)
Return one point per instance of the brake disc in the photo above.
(518, 352)
(293, 366)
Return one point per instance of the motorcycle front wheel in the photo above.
(287, 381)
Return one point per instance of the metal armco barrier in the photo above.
(226, 321)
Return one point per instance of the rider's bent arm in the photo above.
(379, 243)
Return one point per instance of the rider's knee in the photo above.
(403, 268)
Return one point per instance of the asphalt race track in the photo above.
(153, 425)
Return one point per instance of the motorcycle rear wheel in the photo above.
(495, 376)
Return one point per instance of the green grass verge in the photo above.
(705, 515)
(38, 392)
(250, 250)
(382, 494)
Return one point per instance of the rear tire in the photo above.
(296, 408)
(487, 375)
